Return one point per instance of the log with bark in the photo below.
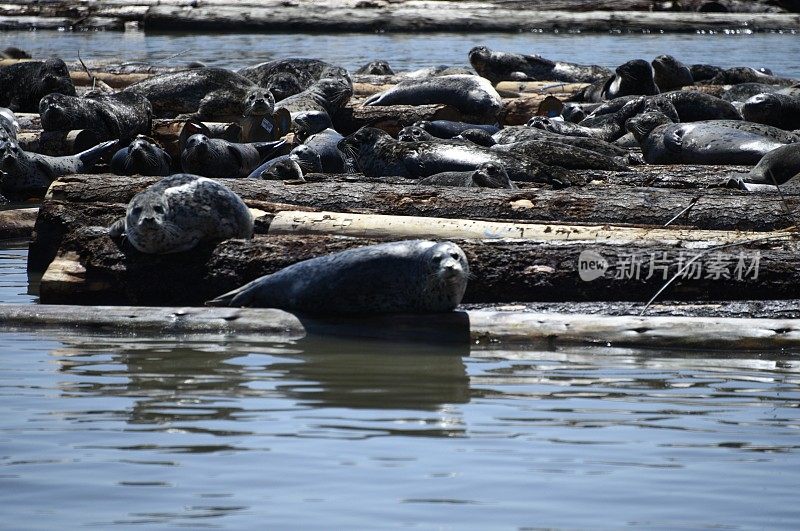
(17, 223)
(390, 118)
(92, 269)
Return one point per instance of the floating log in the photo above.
(58, 143)
(391, 118)
(473, 326)
(17, 223)
(92, 269)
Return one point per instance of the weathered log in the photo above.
(473, 326)
(58, 143)
(117, 81)
(462, 17)
(719, 209)
(540, 87)
(517, 111)
(17, 223)
(390, 118)
(29, 121)
(92, 269)
(168, 133)
(60, 24)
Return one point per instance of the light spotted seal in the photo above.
(181, 211)
(122, 115)
(472, 95)
(23, 171)
(22, 85)
(9, 126)
(287, 77)
(487, 175)
(140, 157)
(503, 66)
(412, 276)
(778, 110)
(218, 158)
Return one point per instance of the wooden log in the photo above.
(517, 111)
(91, 269)
(390, 118)
(117, 81)
(169, 133)
(29, 23)
(17, 223)
(717, 209)
(58, 143)
(541, 87)
(29, 121)
(473, 326)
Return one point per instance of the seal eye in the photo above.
(252, 96)
(158, 209)
(136, 211)
(455, 256)
(436, 258)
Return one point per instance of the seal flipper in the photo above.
(673, 140)
(266, 149)
(283, 122)
(240, 297)
(117, 229)
(92, 155)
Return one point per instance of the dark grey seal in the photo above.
(306, 159)
(326, 144)
(502, 66)
(213, 94)
(671, 74)
(472, 95)
(326, 95)
(259, 122)
(122, 115)
(141, 157)
(414, 133)
(712, 142)
(632, 78)
(181, 211)
(743, 74)
(285, 169)
(775, 168)
(310, 123)
(376, 154)
(12, 52)
(450, 129)
(287, 77)
(376, 68)
(744, 91)
(487, 175)
(699, 106)
(702, 72)
(217, 158)
(778, 110)
(413, 276)
(510, 135)
(23, 171)
(22, 85)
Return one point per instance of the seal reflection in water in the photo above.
(412, 276)
(179, 212)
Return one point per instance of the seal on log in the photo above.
(179, 212)
(670, 74)
(287, 77)
(22, 85)
(23, 171)
(503, 66)
(634, 77)
(778, 110)
(218, 158)
(122, 115)
(140, 157)
(305, 158)
(412, 276)
(472, 95)
(487, 175)
(775, 168)
(9, 126)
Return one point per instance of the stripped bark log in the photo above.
(91, 269)
(390, 118)
(58, 143)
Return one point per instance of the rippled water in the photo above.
(118, 432)
(151, 432)
(404, 51)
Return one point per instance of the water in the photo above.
(157, 432)
(405, 52)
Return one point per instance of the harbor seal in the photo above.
(502, 66)
(9, 126)
(412, 276)
(376, 154)
(181, 211)
(778, 110)
(744, 91)
(509, 135)
(218, 158)
(325, 144)
(554, 153)
(414, 133)
(472, 95)
(305, 157)
(259, 122)
(670, 74)
(376, 68)
(213, 94)
(285, 169)
(775, 168)
(287, 77)
(23, 171)
(310, 123)
(744, 74)
(140, 157)
(12, 52)
(699, 106)
(710, 142)
(632, 78)
(326, 95)
(487, 175)
(450, 129)
(22, 85)
(121, 115)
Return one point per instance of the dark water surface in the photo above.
(144, 432)
(405, 52)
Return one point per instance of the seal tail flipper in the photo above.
(240, 297)
(266, 149)
(92, 155)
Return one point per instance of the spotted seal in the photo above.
(711, 142)
(414, 133)
(487, 175)
(472, 95)
(213, 94)
(9, 126)
(412, 276)
(327, 95)
(285, 169)
(744, 91)
(305, 157)
(122, 115)
(23, 171)
(744, 74)
(22, 85)
(259, 122)
(287, 77)
(775, 168)
(699, 106)
(510, 135)
(218, 158)
(450, 129)
(376, 154)
(141, 157)
(632, 78)
(670, 74)
(181, 211)
(503, 66)
(778, 110)
(376, 68)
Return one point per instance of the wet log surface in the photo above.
(93, 269)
